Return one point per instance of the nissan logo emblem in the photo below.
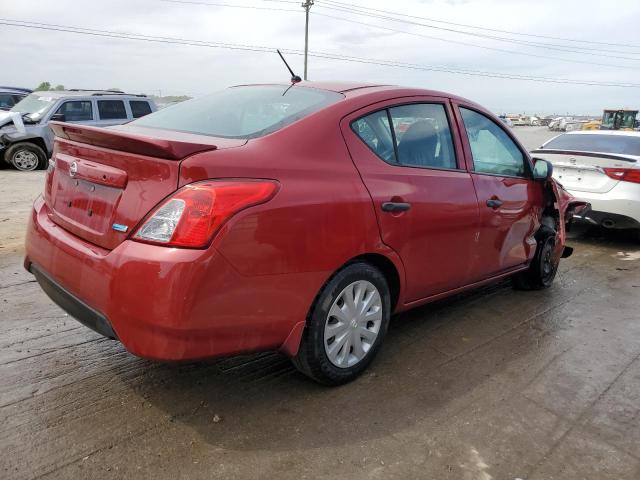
(73, 169)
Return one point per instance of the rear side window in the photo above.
(242, 112)
(111, 110)
(493, 150)
(600, 143)
(418, 135)
(374, 130)
(76, 111)
(139, 108)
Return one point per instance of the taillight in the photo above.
(624, 174)
(192, 216)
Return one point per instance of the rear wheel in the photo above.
(26, 156)
(542, 270)
(346, 325)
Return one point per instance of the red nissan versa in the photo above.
(296, 218)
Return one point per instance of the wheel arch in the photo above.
(35, 140)
(390, 268)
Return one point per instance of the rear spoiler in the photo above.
(128, 142)
(610, 156)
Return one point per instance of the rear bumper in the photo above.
(166, 303)
(617, 208)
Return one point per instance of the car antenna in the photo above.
(294, 78)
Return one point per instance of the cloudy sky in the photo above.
(31, 55)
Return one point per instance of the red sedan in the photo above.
(290, 217)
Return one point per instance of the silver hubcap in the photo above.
(353, 324)
(25, 160)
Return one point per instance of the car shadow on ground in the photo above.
(260, 401)
(437, 361)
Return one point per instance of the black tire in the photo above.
(312, 358)
(542, 270)
(15, 156)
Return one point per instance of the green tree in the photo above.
(59, 87)
(44, 86)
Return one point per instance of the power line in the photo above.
(248, 7)
(513, 52)
(336, 6)
(510, 32)
(484, 47)
(324, 55)
(571, 49)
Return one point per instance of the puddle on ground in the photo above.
(628, 255)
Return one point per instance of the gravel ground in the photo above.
(492, 384)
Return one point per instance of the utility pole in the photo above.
(307, 6)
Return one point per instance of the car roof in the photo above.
(84, 93)
(629, 133)
(362, 89)
(15, 90)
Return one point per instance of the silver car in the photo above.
(26, 140)
(601, 167)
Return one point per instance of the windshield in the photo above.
(619, 119)
(616, 144)
(34, 105)
(242, 112)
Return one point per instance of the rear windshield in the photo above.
(242, 112)
(620, 144)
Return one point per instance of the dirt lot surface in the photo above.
(493, 384)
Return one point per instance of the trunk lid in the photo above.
(104, 181)
(584, 171)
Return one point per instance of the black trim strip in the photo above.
(610, 156)
(73, 305)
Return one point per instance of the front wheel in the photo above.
(346, 325)
(542, 270)
(26, 156)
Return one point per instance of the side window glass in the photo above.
(111, 110)
(423, 136)
(76, 111)
(492, 149)
(6, 100)
(139, 108)
(374, 130)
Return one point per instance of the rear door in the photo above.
(411, 161)
(581, 160)
(509, 201)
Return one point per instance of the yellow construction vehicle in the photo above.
(622, 119)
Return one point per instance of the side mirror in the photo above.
(58, 117)
(542, 170)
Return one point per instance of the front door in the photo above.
(508, 199)
(411, 161)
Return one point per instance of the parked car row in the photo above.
(520, 120)
(26, 141)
